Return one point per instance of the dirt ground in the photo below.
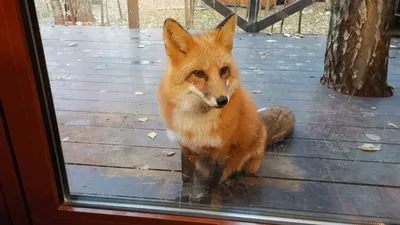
(152, 14)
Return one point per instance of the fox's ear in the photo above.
(177, 40)
(226, 31)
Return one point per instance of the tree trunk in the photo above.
(120, 11)
(57, 12)
(328, 4)
(80, 11)
(356, 57)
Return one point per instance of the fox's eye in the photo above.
(223, 71)
(199, 73)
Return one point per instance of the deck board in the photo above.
(318, 171)
(302, 196)
(328, 106)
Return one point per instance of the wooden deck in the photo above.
(318, 172)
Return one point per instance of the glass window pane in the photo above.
(144, 130)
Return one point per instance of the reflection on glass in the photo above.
(339, 163)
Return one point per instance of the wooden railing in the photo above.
(252, 24)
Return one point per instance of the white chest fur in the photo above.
(199, 124)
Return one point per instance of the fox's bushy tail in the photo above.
(279, 122)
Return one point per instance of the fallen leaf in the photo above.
(65, 77)
(332, 96)
(72, 44)
(102, 91)
(370, 147)
(144, 167)
(141, 46)
(299, 35)
(393, 46)
(263, 53)
(257, 91)
(139, 93)
(100, 67)
(373, 107)
(143, 119)
(373, 137)
(270, 41)
(287, 35)
(168, 153)
(152, 135)
(312, 76)
(393, 125)
(65, 139)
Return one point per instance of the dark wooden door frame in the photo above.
(12, 197)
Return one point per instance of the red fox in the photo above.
(205, 107)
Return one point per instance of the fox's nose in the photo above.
(222, 100)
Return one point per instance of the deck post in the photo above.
(133, 13)
(102, 12)
(253, 16)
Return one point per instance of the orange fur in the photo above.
(233, 135)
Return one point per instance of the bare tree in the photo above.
(80, 11)
(356, 57)
(120, 11)
(57, 12)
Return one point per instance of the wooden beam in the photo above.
(254, 7)
(253, 16)
(133, 13)
(191, 13)
(102, 12)
(300, 20)
(282, 14)
(225, 11)
(187, 13)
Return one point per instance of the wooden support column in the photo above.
(133, 13)
(187, 13)
(253, 16)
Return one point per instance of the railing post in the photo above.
(133, 13)
(253, 16)
(187, 13)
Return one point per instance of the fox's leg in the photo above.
(188, 160)
(253, 165)
(248, 157)
(234, 163)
